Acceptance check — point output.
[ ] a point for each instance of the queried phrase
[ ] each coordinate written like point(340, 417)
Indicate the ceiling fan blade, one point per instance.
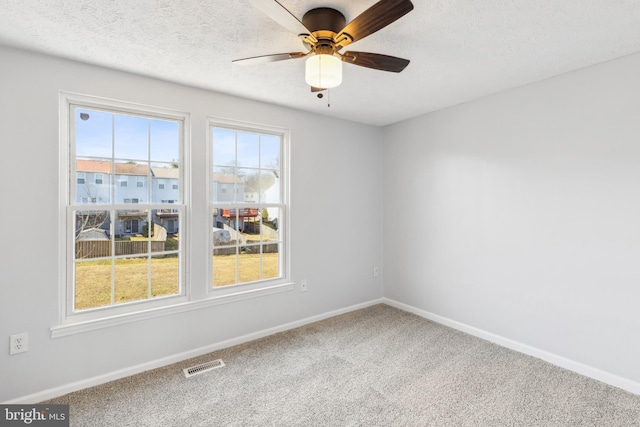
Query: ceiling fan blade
point(317, 89)
point(281, 15)
point(265, 59)
point(376, 61)
point(373, 19)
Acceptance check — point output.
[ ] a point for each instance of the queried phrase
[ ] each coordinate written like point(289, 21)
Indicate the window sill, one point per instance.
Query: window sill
point(72, 328)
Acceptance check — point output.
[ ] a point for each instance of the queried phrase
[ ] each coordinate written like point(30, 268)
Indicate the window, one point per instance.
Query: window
point(115, 265)
point(248, 241)
point(124, 254)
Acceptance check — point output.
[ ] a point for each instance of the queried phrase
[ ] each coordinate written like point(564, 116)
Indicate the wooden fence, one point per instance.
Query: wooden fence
point(267, 248)
point(102, 248)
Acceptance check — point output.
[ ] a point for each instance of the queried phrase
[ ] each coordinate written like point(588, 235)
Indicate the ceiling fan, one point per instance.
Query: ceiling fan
point(324, 32)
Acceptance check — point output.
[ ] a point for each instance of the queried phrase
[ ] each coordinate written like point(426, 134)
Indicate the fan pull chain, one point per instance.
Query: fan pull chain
point(328, 98)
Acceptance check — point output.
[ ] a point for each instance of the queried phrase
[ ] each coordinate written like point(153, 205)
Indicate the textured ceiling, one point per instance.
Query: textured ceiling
point(459, 49)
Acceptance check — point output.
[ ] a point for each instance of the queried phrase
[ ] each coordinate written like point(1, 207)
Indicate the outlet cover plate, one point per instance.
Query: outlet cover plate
point(18, 343)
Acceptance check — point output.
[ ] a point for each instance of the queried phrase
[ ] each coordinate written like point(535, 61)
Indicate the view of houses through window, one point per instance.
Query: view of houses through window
point(247, 205)
point(123, 253)
point(126, 208)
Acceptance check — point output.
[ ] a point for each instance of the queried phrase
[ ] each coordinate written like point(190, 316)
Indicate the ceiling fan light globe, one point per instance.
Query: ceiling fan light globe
point(323, 71)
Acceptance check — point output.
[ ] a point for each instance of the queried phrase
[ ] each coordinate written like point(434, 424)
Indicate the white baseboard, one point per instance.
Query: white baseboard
point(158, 363)
point(571, 365)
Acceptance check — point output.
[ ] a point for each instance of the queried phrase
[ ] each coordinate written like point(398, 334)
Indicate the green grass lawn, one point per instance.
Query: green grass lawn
point(93, 278)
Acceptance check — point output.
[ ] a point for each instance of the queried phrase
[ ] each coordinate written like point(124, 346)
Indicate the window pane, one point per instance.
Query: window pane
point(93, 284)
point(270, 262)
point(223, 184)
point(165, 275)
point(232, 221)
point(92, 234)
point(222, 235)
point(129, 223)
point(127, 176)
point(249, 266)
point(270, 231)
point(248, 149)
point(269, 187)
point(89, 171)
point(250, 185)
point(244, 190)
point(93, 133)
point(270, 151)
point(166, 223)
point(131, 137)
point(131, 279)
point(224, 147)
point(250, 224)
point(164, 175)
point(224, 269)
point(165, 141)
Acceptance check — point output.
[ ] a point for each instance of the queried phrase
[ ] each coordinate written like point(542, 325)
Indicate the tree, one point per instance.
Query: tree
point(259, 182)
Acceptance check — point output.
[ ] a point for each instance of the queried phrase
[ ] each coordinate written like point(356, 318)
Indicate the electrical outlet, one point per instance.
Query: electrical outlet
point(376, 271)
point(18, 343)
point(303, 286)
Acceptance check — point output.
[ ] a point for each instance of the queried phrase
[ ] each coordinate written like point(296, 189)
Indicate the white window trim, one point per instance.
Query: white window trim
point(66, 329)
point(194, 299)
point(106, 315)
point(241, 288)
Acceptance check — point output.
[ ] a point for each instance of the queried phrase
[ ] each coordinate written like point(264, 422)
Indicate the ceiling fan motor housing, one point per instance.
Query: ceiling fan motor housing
point(324, 20)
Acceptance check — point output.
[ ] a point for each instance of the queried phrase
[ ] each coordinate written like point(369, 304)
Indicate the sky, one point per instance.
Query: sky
point(103, 134)
point(106, 135)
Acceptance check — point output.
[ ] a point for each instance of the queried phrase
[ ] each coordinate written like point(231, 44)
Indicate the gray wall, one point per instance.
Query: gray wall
point(518, 215)
point(333, 166)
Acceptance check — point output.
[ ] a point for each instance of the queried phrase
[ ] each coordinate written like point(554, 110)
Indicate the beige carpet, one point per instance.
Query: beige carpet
point(374, 367)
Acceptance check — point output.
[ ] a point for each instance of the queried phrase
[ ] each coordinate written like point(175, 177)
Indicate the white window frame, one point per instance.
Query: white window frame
point(256, 288)
point(73, 322)
point(195, 296)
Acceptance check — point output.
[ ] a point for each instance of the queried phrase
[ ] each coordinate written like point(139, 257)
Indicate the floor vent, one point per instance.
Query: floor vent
point(203, 367)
